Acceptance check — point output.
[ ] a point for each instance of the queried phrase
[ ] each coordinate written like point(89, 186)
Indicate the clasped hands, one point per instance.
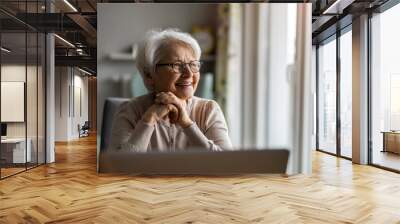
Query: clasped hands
point(167, 105)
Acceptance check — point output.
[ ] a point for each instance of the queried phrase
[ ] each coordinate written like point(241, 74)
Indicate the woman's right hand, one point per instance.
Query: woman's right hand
point(159, 112)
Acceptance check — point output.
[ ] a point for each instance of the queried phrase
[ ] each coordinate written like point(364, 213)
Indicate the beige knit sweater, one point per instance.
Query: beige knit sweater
point(208, 131)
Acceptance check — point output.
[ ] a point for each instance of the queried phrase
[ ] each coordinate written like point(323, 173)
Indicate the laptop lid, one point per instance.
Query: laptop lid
point(196, 162)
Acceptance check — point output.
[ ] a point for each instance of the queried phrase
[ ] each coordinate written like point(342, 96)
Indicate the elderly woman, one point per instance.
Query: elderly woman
point(169, 118)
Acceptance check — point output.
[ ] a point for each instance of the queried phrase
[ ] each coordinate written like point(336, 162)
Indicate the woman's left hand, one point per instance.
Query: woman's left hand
point(169, 98)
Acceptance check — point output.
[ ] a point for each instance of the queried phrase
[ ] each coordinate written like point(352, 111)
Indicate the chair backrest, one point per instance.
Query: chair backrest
point(86, 125)
point(111, 106)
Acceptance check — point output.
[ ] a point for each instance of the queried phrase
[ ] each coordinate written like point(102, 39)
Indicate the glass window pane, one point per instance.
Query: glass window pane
point(386, 89)
point(14, 153)
point(23, 86)
point(346, 94)
point(327, 97)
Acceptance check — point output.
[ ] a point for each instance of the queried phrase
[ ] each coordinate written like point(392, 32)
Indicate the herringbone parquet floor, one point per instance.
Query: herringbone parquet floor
point(70, 191)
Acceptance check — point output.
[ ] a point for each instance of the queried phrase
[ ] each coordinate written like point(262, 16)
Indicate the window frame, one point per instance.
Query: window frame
point(334, 37)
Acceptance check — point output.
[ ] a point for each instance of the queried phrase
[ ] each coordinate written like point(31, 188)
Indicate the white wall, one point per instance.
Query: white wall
point(121, 25)
point(33, 126)
point(15, 73)
point(80, 83)
point(12, 73)
point(68, 81)
point(62, 81)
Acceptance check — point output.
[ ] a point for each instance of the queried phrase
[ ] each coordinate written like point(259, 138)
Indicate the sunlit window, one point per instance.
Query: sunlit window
point(385, 84)
point(327, 97)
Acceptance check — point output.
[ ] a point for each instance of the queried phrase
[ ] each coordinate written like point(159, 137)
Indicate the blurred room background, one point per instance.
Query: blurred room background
point(256, 63)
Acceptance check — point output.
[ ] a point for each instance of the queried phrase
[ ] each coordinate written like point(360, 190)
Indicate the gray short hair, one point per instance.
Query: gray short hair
point(150, 46)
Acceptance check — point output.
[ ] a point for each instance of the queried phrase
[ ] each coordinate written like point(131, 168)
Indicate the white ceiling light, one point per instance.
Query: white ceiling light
point(337, 7)
point(86, 72)
point(70, 5)
point(5, 50)
point(64, 40)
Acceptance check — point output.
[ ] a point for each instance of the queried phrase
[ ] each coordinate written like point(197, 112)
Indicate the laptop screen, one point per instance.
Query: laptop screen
point(3, 129)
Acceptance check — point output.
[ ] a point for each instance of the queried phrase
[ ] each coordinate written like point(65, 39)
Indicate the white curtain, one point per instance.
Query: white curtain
point(268, 101)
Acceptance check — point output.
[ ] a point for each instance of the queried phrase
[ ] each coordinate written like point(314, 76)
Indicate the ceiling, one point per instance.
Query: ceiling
point(329, 16)
point(76, 22)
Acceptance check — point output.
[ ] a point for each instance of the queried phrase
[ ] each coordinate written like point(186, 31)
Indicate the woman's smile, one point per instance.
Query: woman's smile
point(184, 84)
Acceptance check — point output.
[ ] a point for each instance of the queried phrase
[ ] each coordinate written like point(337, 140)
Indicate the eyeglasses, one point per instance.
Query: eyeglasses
point(179, 67)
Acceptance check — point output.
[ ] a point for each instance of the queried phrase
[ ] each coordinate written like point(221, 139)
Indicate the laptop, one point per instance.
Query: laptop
point(3, 131)
point(196, 162)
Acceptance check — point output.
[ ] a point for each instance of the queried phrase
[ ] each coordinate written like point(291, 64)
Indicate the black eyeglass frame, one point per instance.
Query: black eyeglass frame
point(181, 66)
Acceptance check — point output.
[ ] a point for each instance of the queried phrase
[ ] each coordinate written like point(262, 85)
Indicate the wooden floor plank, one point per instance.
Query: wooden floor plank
point(70, 191)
